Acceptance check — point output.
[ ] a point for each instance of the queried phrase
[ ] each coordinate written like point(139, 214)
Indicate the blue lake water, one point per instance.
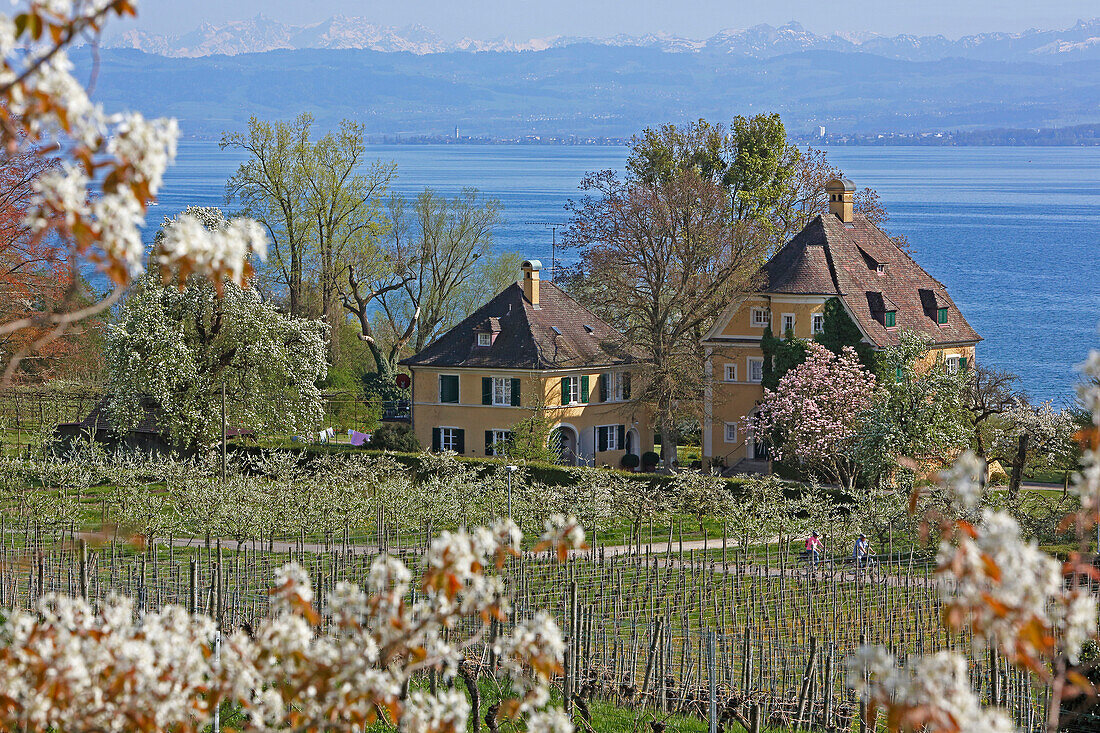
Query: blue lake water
point(1014, 233)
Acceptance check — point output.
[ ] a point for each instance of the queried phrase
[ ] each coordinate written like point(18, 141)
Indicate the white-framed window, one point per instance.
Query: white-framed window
point(498, 441)
point(818, 323)
point(485, 339)
point(731, 432)
point(607, 437)
point(502, 391)
point(788, 323)
point(952, 363)
point(756, 369)
point(731, 373)
point(614, 386)
point(761, 317)
point(449, 439)
point(571, 390)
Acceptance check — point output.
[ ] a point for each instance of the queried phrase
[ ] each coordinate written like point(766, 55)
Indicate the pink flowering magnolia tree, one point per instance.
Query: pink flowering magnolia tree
point(813, 415)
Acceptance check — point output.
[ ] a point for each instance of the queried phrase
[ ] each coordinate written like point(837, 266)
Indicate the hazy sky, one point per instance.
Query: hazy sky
point(522, 19)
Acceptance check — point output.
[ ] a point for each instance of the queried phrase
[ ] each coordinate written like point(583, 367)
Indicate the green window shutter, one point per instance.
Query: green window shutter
point(626, 385)
point(602, 381)
point(435, 440)
point(941, 316)
point(621, 442)
point(486, 390)
point(899, 374)
point(962, 363)
point(565, 390)
point(601, 439)
point(488, 442)
point(890, 319)
point(516, 402)
point(461, 447)
point(584, 389)
point(448, 388)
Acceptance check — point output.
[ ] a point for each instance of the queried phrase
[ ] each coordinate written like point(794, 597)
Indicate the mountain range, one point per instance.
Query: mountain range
point(260, 34)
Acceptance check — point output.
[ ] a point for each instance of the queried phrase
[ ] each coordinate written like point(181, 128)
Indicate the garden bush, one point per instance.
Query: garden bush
point(395, 437)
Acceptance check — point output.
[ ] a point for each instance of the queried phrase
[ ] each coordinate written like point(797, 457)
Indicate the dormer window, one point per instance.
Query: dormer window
point(941, 316)
point(881, 269)
point(890, 319)
point(589, 329)
point(485, 339)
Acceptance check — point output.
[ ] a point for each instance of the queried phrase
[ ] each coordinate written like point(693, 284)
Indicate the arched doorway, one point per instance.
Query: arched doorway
point(633, 442)
point(564, 440)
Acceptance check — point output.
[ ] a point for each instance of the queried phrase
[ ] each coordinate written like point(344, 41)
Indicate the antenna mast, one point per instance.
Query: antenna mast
point(553, 226)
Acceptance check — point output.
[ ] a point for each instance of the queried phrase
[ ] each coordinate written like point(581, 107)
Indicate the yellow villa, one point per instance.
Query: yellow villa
point(532, 347)
point(837, 255)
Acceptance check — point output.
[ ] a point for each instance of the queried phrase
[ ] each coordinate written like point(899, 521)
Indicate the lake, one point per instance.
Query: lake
point(1011, 232)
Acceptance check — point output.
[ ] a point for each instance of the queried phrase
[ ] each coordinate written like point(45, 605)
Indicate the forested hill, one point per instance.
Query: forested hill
point(594, 90)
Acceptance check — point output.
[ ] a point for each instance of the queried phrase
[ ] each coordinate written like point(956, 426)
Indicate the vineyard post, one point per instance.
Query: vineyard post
point(713, 691)
point(84, 569)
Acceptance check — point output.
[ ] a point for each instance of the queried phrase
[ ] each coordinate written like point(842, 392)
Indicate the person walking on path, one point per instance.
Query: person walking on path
point(862, 552)
point(814, 548)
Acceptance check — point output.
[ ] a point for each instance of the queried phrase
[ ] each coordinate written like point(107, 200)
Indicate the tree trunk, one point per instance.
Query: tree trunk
point(1018, 468)
point(668, 441)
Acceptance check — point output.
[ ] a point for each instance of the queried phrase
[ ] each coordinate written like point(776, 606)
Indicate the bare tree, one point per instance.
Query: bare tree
point(435, 266)
point(662, 259)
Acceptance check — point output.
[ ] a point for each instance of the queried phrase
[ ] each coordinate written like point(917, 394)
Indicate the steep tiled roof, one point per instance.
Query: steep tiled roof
point(559, 334)
point(861, 264)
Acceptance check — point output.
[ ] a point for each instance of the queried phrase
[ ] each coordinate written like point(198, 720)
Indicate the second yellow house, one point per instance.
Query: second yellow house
point(532, 347)
point(840, 255)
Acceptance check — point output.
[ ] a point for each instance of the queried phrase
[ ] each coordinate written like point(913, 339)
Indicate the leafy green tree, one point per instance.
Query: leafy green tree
point(780, 355)
point(271, 187)
point(179, 347)
point(839, 330)
point(919, 412)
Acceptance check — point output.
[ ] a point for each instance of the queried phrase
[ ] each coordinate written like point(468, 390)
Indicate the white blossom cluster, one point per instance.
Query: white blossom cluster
point(226, 250)
point(964, 477)
point(67, 668)
point(933, 694)
point(1086, 482)
point(111, 164)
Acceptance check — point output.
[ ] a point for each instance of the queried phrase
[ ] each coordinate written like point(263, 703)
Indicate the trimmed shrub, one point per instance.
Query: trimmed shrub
point(630, 461)
point(395, 437)
point(650, 459)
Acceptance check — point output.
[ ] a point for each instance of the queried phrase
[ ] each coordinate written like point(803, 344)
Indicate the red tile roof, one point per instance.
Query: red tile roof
point(555, 335)
point(829, 257)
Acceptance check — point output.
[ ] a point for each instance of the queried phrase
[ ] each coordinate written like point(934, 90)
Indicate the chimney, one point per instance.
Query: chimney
point(840, 191)
point(531, 281)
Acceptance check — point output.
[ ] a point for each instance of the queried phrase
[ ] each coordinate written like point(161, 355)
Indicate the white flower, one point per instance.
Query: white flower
point(964, 479)
point(553, 720)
